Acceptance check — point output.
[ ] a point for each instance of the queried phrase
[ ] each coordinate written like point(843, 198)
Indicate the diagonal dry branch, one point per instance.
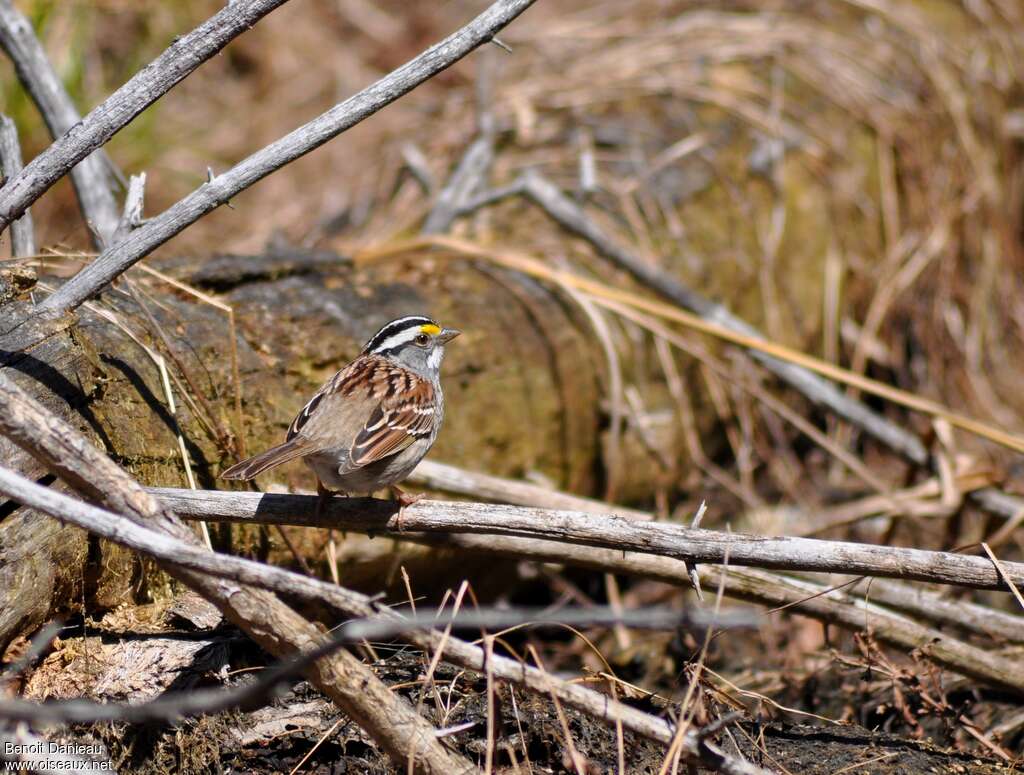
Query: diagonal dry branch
point(574, 219)
point(609, 531)
point(185, 554)
point(90, 176)
point(216, 192)
point(393, 724)
point(76, 139)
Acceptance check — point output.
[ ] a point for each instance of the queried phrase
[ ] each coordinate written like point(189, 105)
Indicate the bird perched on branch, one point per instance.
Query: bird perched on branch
point(370, 424)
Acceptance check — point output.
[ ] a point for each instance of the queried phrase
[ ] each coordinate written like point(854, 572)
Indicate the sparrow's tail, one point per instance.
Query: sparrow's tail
point(275, 456)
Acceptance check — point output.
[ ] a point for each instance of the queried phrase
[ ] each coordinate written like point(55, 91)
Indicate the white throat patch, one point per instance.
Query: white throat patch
point(434, 359)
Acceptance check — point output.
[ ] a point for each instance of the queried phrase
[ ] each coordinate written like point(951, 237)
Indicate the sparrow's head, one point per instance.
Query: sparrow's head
point(415, 342)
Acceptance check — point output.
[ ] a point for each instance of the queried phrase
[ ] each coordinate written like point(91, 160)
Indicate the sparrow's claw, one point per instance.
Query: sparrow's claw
point(405, 499)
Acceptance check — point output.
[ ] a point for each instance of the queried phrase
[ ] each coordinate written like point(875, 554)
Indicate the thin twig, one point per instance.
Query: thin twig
point(23, 240)
point(134, 204)
point(1001, 569)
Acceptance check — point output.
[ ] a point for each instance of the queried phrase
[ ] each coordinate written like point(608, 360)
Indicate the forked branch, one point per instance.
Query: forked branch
point(221, 189)
point(77, 139)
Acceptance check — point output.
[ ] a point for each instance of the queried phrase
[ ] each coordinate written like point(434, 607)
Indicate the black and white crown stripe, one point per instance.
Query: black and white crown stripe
point(397, 333)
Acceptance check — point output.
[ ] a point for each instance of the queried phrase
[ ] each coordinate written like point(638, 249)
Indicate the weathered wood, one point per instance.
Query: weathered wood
point(276, 627)
point(178, 553)
point(133, 669)
point(115, 260)
point(669, 540)
point(90, 174)
point(42, 565)
point(42, 572)
point(77, 138)
point(23, 241)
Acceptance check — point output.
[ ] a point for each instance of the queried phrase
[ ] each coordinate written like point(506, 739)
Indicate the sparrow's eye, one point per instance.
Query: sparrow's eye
point(422, 340)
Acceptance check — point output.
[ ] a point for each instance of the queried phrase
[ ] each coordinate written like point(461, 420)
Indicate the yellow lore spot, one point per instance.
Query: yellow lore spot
point(430, 328)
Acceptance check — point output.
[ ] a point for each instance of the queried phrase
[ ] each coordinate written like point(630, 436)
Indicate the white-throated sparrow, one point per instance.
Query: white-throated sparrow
point(369, 425)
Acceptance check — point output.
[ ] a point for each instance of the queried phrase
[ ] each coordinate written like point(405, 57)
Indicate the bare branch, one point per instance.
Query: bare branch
point(76, 139)
point(469, 175)
point(669, 540)
point(118, 258)
point(90, 177)
point(474, 168)
point(23, 241)
point(396, 727)
point(134, 202)
point(926, 605)
point(467, 655)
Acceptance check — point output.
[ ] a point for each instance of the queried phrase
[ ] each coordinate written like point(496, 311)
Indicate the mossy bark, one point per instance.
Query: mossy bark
point(522, 389)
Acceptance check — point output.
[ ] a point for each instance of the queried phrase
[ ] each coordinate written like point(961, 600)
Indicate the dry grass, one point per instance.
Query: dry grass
point(846, 176)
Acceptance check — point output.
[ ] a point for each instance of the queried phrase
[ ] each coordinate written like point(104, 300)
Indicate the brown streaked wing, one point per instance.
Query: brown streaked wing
point(405, 415)
point(368, 372)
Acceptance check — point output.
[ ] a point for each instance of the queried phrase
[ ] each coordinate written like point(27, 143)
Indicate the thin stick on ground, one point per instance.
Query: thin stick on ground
point(748, 584)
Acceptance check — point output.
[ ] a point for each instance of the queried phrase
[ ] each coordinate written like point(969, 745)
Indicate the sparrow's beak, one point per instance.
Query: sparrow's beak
point(447, 334)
